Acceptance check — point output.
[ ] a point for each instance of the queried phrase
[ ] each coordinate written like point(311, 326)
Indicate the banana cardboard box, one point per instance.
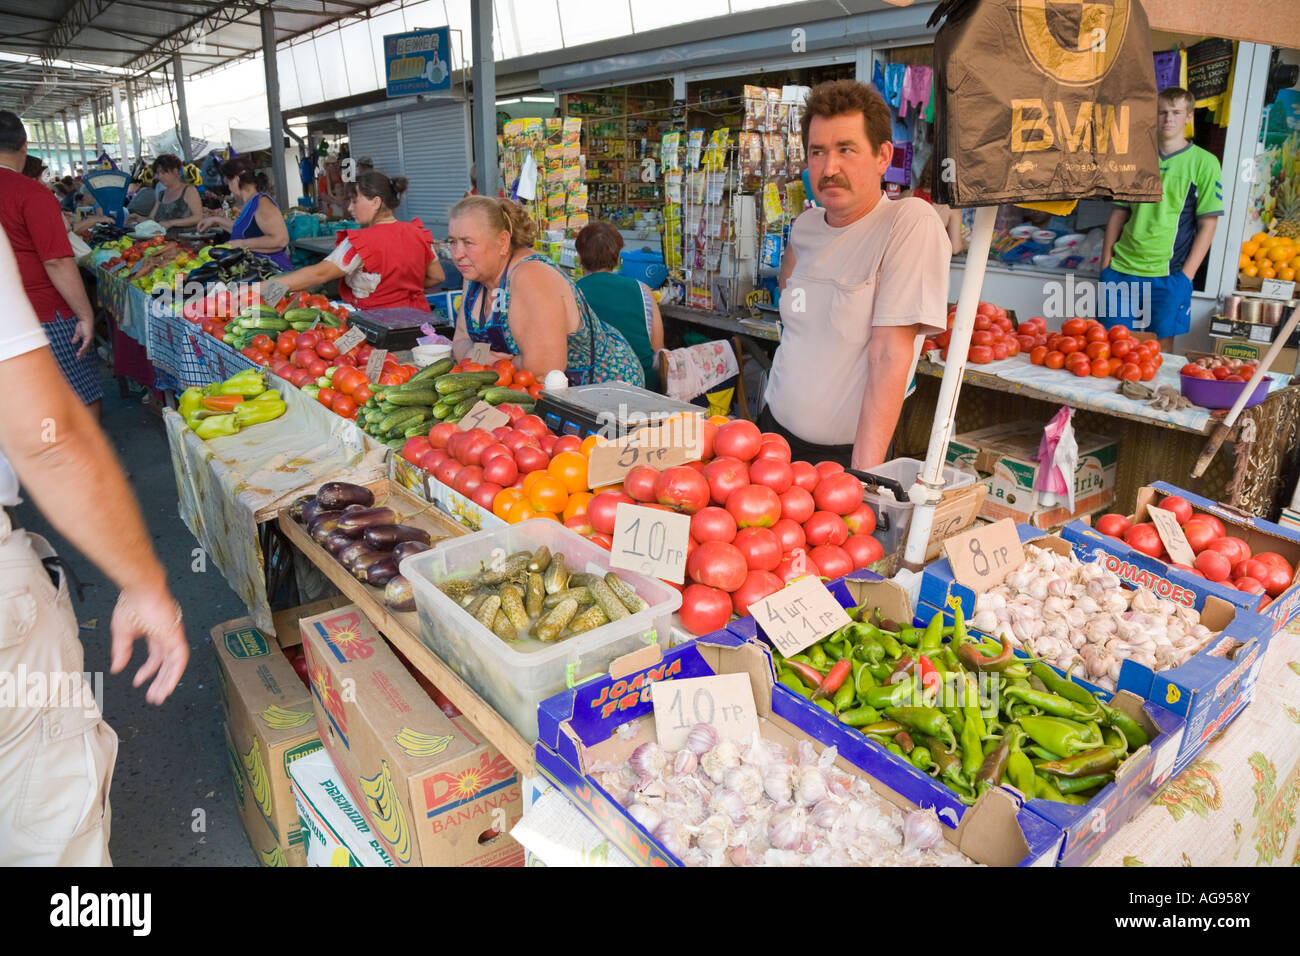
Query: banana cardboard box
point(429, 785)
point(335, 832)
point(265, 846)
point(268, 712)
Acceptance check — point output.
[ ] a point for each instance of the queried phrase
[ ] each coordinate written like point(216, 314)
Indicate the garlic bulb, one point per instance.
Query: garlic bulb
point(648, 817)
point(648, 760)
point(674, 838)
point(987, 620)
point(746, 781)
point(730, 804)
point(826, 813)
point(778, 783)
point(810, 785)
point(922, 830)
point(685, 762)
point(701, 739)
point(787, 827)
point(720, 759)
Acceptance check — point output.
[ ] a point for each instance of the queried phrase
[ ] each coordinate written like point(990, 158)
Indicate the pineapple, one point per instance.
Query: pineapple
point(1286, 211)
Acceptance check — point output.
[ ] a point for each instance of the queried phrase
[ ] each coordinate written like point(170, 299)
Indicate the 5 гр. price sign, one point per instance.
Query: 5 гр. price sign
point(650, 541)
point(724, 702)
point(798, 615)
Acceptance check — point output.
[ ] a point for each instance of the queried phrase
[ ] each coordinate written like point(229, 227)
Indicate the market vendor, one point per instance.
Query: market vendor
point(260, 225)
point(863, 280)
point(521, 304)
point(385, 264)
point(177, 203)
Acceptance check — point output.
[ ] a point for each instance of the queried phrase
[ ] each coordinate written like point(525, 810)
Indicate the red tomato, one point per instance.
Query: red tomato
point(827, 468)
point(530, 458)
point(1068, 344)
point(1234, 549)
point(684, 489)
point(531, 425)
point(1130, 372)
point(1002, 322)
point(981, 323)
point(832, 560)
point(1143, 537)
point(1180, 506)
point(1213, 522)
point(1054, 360)
point(1251, 568)
point(1213, 565)
point(1028, 343)
point(761, 548)
point(797, 505)
point(1220, 373)
point(1121, 348)
point(361, 394)
point(485, 494)
point(1096, 349)
point(1074, 327)
point(1084, 369)
point(839, 494)
point(790, 533)
point(1272, 557)
point(308, 340)
point(1276, 579)
point(468, 480)
point(821, 529)
point(565, 443)
point(1000, 351)
point(1013, 347)
point(775, 450)
point(754, 506)
point(344, 406)
point(1095, 333)
point(861, 520)
point(1117, 332)
point(712, 524)
point(326, 396)
point(738, 439)
point(715, 563)
point(1038, 354)
point(980, 355)
point(705, 609)
point(796, 565)
point(725, 475)
point(1101, 368)
point(1199, 533)
point(327, 349)
point(639, 483)
point(1053, 341)
point(863, 549)
point(499, 468)
point(772, 472)
point(601, 508)
point(758, 585)
point(981, 338)
point(1114, 525)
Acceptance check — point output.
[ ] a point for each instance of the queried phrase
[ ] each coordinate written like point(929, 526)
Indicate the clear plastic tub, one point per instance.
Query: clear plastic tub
point(515, 681)
point(893, 516)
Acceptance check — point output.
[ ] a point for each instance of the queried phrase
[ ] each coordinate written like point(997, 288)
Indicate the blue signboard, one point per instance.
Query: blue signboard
point(418, 62)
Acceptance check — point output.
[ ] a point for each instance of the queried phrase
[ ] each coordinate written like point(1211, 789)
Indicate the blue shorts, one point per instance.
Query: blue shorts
point(1158, 304)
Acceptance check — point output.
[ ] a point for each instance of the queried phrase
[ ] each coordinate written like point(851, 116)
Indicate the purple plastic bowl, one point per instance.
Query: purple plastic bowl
point(1211, 393)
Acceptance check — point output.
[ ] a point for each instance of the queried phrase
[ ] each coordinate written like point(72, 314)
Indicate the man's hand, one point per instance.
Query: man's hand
point(84, 334)
point(154, 614)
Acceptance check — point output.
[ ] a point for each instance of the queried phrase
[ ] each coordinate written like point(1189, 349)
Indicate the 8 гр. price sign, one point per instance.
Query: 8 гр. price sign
point(724, 702)
point(650, 541)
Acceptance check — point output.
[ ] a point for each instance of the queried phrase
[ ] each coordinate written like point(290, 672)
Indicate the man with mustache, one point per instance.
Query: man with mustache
point(863, 280)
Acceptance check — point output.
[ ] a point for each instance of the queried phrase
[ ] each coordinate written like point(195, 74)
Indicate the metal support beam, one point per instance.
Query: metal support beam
point(67, 138)
point(485, 97)
point(123, 158)
point(137, 145)
point(81, 143)
point(99, 133)
point(178, 71)
point(275, 119)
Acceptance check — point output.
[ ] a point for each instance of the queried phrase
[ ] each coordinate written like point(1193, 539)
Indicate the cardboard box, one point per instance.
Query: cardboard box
point(1208, 691)
point(578, 730)
point(335, 832)
point(1287, 361)
point(265, 846)
point(268, 711)
point(435, 793)
point(1007, 456)
point(422, 484)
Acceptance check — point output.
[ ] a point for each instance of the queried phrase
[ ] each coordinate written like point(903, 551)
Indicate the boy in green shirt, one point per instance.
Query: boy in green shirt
point(1152, 250)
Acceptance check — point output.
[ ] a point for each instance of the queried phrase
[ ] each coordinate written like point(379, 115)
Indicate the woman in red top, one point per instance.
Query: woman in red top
point(385, 265)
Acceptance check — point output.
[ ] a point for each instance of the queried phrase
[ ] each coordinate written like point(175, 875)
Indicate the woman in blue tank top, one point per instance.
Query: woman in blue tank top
point(260, 227)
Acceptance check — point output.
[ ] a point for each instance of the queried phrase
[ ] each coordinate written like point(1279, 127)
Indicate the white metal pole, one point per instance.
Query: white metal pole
point(119, 117)
point(928, 489)
point(137, 144)
point(81, 143)
point(99, 132)
point(67, 139)
point(178, 71)
point(275, 119)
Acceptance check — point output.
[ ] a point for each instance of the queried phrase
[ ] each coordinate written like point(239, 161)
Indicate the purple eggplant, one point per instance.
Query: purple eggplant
point(336, 541)
point(324, 523)
point(340, 494)
point(354, 551)
point(299, 506)
point(399, 595)
point(408, 548)
point(354, 523)
point(388, 536)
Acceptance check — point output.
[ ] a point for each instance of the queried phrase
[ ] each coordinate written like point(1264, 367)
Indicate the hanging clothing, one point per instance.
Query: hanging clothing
point(929, 110)
point(597, 352)
point(878, 77)
point(895, 73)
point(1167, 65)
point(384, 265)
point(916, 88)
point(246, 227)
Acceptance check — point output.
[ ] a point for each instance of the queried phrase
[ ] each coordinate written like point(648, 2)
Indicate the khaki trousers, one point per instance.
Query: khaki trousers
point(56, 751)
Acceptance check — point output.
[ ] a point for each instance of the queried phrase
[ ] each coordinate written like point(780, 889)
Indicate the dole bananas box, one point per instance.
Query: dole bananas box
point(335, 832)
point(430, 786)
point(268, 711)
point(266, 847)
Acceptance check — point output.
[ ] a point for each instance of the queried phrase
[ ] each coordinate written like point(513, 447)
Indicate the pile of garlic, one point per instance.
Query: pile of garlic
point(717, 803)
point(1075, 614)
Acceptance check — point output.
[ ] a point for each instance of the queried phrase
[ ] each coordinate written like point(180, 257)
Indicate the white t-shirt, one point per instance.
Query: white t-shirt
point(888, 268)
point(20, 332)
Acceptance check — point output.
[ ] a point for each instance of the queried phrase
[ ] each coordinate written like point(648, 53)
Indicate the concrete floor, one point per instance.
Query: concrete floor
point(172, 759)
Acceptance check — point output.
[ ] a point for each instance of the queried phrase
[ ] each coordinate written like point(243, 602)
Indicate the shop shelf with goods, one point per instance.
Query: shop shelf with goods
point(559, 205)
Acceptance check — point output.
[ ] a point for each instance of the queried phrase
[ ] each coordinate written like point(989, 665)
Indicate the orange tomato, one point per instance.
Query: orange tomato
point(505, 500)
point(524, 378)
point(1099, 349)
point(577, 504)
point(548, 494)
point(1267, 272)
point(532, 478)
point(521, 510)
point(1286, 274)
point(505, 371)
point(547, 514)
point(617, 486)
point(570, 469)
point(1054, 360)
point(588, 443)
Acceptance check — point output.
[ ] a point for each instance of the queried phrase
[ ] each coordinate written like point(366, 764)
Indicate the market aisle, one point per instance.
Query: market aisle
point(172, 761)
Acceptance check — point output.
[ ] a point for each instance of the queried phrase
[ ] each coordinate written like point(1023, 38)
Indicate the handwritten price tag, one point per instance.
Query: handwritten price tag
point(375, 364)
point(480, 352)
point(724, 702)
point(798, 615)
point(674, 443)
point(1171, 535)
point(651, 542)
point(982, 558)
point(484, 416)
point(1277, 289)
point(350, 340)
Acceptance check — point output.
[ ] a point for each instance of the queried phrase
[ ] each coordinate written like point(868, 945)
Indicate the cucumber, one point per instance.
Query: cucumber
point(555, 621)
point(499, 393)
point(455, 398)
point(438, 368)
point(301, 315)
point(459, 381)
point(415, 431)
point(418, 397)
point(463, 408)
point(593, 617)
point(614, 608)
point(405, 417)
point(441, 411)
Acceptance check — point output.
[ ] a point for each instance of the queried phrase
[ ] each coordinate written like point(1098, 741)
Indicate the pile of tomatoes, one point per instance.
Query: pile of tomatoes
point(1085, 347)
point(1222, 369)
point(1220, 557)
point(508, 376)
point(994, 336)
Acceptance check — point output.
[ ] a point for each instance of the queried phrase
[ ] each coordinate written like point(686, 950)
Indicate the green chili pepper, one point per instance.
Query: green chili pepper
point(921, 758)
point(932, 639)
point(860, 716)
point(970, 654)
point(890, 695)
point(1064, 687)
point(890, 644)
point(817, 657)
point(959, 621)
point(896, 750)
point(862, 679)
point(824, 704)
point(844, 697)
point(869, 649)
point(804, 672)
point(990, 771)
point(804, 659)
point(1048, 703)
point(1019, 768)
point(789, 680)
point(1080, 784)
point(927, 720)
point(909, 635)
point(1059, 734)
point(879, 739)
point(880, 671)
point(1113, 738)
point(949, 658)
point(1045, 789)
point(1085, 764)
point(1077, 799)
point(882, 728)
point(972, 754)
point(1137, 737)
point(834, 650)
point(1042, 753)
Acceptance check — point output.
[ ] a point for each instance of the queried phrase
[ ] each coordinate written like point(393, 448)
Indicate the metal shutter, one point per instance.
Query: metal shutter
point(378, 138)
point(436, 158)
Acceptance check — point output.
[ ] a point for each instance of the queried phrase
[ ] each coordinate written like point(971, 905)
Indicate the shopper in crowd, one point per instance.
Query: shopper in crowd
point(260, 225)
point(39, 236)
point(56, 751)
point(863, 279)
point(142, 202)
point(69, 196)
point(385, 264)
point(521, 304)
point(33, 168)
point(330, 196)
point(1152, 250)
point(621, 301)
point(177, 202)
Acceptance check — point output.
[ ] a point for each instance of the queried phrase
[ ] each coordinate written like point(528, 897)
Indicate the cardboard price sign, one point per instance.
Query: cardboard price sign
point(674, 443)
point(799, 615)
point(1277, 289)
point(1171, 535)
point(480, 352)
point(651, 542)
point(982, 558)
point(484, 416)
point(724, 702)
point(350, 340)
point(375, 364)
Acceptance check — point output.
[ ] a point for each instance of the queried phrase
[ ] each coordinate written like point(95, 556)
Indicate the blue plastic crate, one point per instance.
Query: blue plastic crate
point(646, 266)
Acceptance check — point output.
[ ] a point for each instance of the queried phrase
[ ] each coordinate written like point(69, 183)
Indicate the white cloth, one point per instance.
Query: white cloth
point(20, 332)
point(889, 268)
point(697, 369)
point(363, 284)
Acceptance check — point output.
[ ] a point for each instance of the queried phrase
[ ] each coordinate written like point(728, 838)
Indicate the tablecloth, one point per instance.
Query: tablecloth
point(1235, 805)
point(223, 483)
